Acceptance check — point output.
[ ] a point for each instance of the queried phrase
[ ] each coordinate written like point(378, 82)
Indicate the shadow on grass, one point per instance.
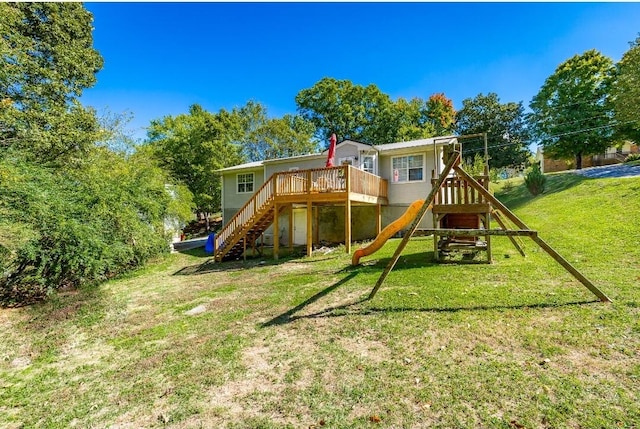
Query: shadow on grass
point(211, 266)
point(288, 316)
point(198, 252)
point(426, 259)
point(519, 195)
point(84, 307)
point(356, 309)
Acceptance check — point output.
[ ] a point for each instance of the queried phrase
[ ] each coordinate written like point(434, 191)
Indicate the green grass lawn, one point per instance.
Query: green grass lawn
point(186, 343)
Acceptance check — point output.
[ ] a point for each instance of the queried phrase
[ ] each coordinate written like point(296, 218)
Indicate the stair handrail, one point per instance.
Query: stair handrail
point(255, 204)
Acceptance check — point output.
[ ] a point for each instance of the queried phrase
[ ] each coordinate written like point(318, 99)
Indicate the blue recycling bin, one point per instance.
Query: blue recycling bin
point(210, 247)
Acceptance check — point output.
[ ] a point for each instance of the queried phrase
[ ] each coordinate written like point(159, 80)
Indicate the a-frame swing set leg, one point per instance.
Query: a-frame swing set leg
point(453, 163)
point(550, 251)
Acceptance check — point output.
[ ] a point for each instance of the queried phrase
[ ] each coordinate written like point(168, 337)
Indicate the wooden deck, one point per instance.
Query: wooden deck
point(329, 185)
point(344, 185)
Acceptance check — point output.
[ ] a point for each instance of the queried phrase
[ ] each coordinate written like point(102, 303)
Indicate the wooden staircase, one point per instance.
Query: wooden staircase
point(247, 225)
point(334, 185)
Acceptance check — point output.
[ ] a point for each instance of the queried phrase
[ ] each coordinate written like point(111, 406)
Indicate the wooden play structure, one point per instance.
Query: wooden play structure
point(463, 209)
point(458, 205)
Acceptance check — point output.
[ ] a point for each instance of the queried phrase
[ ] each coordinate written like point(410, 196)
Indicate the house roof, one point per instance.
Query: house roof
point(388, 147)
point(247, 166)
point(359, 145)
point(308, 156)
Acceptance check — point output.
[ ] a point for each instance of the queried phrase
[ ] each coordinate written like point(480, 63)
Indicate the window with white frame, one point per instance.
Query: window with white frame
point(245, 183)
point(408, 168)
point(368, 164)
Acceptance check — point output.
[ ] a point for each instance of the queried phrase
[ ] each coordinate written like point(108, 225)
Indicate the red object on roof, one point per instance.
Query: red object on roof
point(332, 151)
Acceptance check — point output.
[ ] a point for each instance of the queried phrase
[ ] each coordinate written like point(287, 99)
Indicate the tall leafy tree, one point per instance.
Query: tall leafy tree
point(193, 146)
point(77, 205)
point(261, 137)
point(368, 115)
point(571, 116)
point(417, 119)
point(47, 60)
point(626, 93)
point(504, 124)
point(405, 120)
point(290, 135)
point(340, 107)
point(441, 113)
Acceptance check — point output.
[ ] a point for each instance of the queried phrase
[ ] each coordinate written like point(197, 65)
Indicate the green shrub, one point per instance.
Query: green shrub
point(535, 180)
point(507, 185)
point(475, 166)
point(632, 157)
point(76, 227)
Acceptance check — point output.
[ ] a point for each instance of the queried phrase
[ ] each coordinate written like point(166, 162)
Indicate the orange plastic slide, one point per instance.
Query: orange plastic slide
point(388, 232)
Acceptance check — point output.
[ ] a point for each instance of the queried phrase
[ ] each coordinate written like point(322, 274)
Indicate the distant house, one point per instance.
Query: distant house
point(297, 201)
point(613, 155)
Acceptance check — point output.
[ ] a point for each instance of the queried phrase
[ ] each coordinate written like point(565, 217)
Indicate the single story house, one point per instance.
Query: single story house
point(297, 201)
point(613, 155)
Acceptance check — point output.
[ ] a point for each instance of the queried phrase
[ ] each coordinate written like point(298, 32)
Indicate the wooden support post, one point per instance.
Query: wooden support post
point(290, 226)
point(244, 248)
point(347, 226)
point(316, 224)
point(309, 227)
point(276, 232)
point(487, 238)
point(436, 219)
point(436, 251)
point(378, 219)
point(262, 244)
point(454, 159)
point(500, 222)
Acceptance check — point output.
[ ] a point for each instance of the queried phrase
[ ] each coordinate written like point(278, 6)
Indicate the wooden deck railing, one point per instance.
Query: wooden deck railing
point(367, 183)
point(456, 190)
point(260, 200)
point(335, 179)
point(302, 182)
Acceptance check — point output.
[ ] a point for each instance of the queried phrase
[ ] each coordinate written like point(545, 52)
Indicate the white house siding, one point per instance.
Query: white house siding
point(344, 150)
point(331, 218)
point(401, 195)
point(299, 163)
point(232, 201)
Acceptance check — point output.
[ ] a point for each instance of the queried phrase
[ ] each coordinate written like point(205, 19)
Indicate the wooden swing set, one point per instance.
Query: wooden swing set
point(462, 210)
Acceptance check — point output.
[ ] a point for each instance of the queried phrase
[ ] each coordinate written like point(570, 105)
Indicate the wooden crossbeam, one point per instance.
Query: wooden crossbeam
point(451, 232)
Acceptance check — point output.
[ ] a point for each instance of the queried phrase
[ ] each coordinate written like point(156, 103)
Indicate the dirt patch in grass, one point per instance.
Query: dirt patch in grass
point(265, 377)
point(366, 349)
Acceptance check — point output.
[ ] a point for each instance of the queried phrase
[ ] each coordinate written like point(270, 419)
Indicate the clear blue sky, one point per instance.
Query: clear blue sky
point(162, 57)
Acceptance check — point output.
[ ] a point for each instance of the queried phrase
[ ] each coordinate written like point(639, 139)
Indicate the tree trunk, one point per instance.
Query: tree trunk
point(578, 161)
point(206, 220)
